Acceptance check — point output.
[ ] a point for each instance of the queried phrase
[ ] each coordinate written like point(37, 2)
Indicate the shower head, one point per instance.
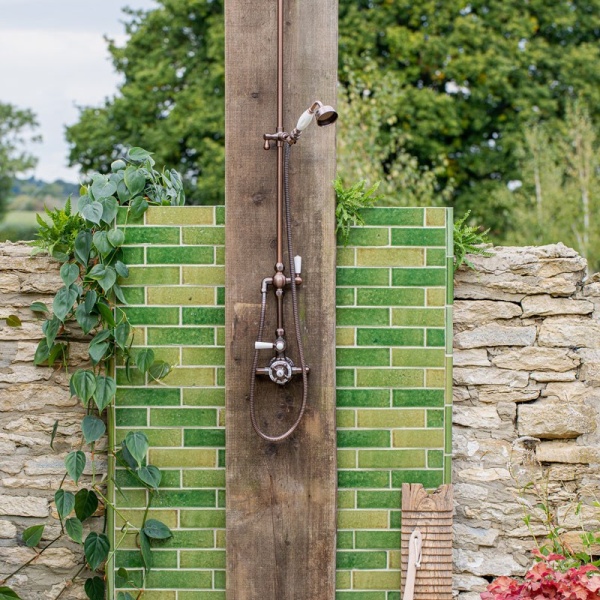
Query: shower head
point(325, 115)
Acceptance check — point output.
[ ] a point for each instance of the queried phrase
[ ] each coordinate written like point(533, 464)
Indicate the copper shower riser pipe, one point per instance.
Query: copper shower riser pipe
point(279, 130)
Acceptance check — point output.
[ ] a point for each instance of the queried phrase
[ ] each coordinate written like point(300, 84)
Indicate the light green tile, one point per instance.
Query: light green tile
point(418, 438)
point(180, 215)
point(418, 357)
point(390, 257)
point(181, 295)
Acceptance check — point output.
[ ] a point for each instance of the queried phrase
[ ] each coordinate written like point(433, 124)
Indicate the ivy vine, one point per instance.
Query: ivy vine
point(89, 247)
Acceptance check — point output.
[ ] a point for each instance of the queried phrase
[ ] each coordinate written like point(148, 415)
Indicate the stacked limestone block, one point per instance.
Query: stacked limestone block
point(526, 377)
point(31, 400)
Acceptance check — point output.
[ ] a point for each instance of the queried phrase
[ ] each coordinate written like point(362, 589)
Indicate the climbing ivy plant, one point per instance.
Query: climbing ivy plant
point(90, 250)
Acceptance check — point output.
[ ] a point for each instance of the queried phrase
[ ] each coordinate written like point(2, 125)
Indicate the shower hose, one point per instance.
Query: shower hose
point(263, 309)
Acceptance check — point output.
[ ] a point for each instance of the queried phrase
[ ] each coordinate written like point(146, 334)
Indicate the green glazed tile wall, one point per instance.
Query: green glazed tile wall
point(394, 348)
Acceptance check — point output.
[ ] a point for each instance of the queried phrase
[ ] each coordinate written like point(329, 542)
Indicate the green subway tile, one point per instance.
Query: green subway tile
point(209, 236)
point(384, 336)
point(371, 398)
point(181, 336)
point(185, 457)
point(208, 559)
point(369, 236)
point(152, 316)
point(134, 295)
point(436, 257)
point(395, 519)
point(131, 256)
point(180, 255)
point(377, 580)
point(169, 355)
point(132, 559)
point(361, 560)
point(344, 377)
point(420, 317)
point(435, 217)
point(436, 296)
point(418, 438)
point(418, 397)
point(346, 499)
point(391, 418)
point(448, 469)
point(344, 297)
point(152, 276)
point(435, 378)
point(393, 596)
point(351, 276)
point(344, 336)
point(191, 377)
point(378, 539)
point(345, 257)
point(390, 297)
point(185, 498)
point(435, 459)
point(204, 275)
point(448, 430)
point(345, 540)
point(152, 235)
point(136, 517)
point(204, 397)
point(200, 595)
point(147, 397)
point(180, 215)
point(378, 499)
point(345, 418)
point(204, 478)
point(204, 437)
point(178, 579)
point(221, 296)
point(220, 215)
point(343, 580)
point(204, 356)
point(190, 539)
point(391, 459)
point(134, 378)
point(219, 255)
point(362, 316)
point(392, 216)
point(429, 478)
point(346, 459)
point(363, 439)
point(181, 295)
point(131, 417)
point(390, 257)
point(221, 500)
point(436, 337)
point(430, 276)
point(169, 479)
point(435, 418)
point(360, 596)
point(389, 377)
point(362, 519)
point(132, 499)
point(188, 417)
point(417, 357)
point(203, 316)
point(124, 217)
point(156, 437)
point(419, 236)
point(372, 357)
point(221, 377)
point(220, 578)
point(363, 479)
point(199, 519)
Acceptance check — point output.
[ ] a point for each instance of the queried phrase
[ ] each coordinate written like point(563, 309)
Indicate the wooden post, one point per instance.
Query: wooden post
point(432, 515)
point(280, 498)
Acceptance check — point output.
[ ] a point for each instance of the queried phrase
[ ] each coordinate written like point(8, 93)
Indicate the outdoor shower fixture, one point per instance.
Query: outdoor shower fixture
point(280, 368)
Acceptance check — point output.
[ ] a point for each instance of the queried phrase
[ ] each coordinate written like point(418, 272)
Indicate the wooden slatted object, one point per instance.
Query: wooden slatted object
point(431, 513)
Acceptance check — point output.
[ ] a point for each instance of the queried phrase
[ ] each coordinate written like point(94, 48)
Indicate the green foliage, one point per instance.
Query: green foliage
point(349, 202)
point(33, 535)
point(468, 239)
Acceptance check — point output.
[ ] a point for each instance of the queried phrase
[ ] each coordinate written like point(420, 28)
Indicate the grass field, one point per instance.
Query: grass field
point(18, 225)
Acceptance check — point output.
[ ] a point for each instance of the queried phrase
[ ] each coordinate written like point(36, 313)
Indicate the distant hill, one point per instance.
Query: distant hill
point(33, 194)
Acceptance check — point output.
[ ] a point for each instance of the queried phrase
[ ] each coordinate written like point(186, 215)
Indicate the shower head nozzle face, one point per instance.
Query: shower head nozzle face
point(325, 115)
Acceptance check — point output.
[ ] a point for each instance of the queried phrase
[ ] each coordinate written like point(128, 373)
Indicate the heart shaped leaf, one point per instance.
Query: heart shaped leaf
point(105, 391)
point(96, 548)
point(86, 504)
point(69, 273)
point(75, 464)
point(137, 444)
point(33, 535)
point(65, 502)
point(157, 530)
point(74, 529)
point(93, 428)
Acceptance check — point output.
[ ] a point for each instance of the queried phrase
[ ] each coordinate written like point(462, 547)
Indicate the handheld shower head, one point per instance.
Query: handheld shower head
point(325, 115)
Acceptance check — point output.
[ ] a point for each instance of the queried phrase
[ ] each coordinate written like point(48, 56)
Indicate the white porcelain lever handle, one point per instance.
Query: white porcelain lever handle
point(298, 264)
point(263, 345)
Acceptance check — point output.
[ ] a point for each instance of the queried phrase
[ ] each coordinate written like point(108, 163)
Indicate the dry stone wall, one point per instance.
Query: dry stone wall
point(526, 406)
point(32, 399)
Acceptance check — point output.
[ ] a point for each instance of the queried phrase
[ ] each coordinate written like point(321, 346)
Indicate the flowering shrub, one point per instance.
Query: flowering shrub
point(545, 580)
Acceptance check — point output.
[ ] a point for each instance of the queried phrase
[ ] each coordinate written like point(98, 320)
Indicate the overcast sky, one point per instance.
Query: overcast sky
point(53, 58)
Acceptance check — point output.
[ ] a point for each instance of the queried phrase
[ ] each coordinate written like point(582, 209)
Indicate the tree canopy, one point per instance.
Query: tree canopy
point(436, 95)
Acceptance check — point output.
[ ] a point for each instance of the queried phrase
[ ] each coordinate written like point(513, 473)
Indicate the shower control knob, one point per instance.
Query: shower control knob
point(263, 345)
point(298, 264)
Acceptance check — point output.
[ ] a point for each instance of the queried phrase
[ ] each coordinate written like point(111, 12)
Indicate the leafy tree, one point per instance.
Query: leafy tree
point(16, 126)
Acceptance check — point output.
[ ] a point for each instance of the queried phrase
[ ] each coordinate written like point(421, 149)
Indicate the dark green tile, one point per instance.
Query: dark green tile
point(152, 235)
point(395, 519)
point(435, 418)
point(180, 255)
point(436, 257)
point(185, 498)
point(435, 459)
point(393, 596)
point(204, 397)
point(190, 539)
point(181, 336)
point(203, 316)
point(134, 295)
point(436, 337)
point(344, 377)
point(152, 315)
point(362, 316)
point(173, 580)
point(419, 277)
point(221, 377)
point(398, 378)
point(390, 297)
point(362, 276)
point(221, 500)
point(220, 578)
point(363, 479)
point(418, 397)
point(132, 417)
point(368, 236)
point(132, 559)
point(428, 478)
point(204, 437)
point(353, 357)
point(188, 417)
point(204, 478)
point(344, 297)
point(360, 596)
point(361, 560)
point(385, 336)
point(363, 439)
point(221, 296)
point(378, 539)
point(419, 236)
point(208, 236)
point(220, 215)
point(135, 378)
point(345, 540)
point(132, 256)
point(360, 398)
point(169, 479)
point(147, 397)
point(393, 216)
point(199, 519)
point(378, 499)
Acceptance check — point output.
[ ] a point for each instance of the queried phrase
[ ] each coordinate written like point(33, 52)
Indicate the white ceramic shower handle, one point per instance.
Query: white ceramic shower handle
point(298, 264)
point(263, 345)
point(305, 119)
